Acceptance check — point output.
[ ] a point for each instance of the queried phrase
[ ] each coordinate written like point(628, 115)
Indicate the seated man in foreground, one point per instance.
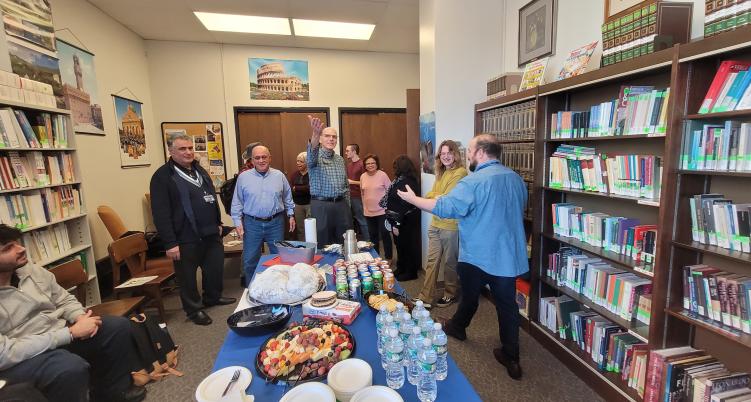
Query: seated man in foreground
point(47, 338)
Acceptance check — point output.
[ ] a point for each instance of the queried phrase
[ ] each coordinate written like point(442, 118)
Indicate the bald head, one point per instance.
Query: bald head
point(482, 148)
point(261, 158)
point(329, 138)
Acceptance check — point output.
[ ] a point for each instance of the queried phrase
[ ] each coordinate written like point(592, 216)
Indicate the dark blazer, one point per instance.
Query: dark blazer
point(397, 208)
point(171, 208)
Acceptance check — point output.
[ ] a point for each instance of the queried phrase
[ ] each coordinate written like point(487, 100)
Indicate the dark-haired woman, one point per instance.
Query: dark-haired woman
point(404, 220)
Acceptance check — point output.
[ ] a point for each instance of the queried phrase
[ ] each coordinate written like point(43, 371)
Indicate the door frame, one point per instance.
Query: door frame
point(257, 109)
point(371, 110)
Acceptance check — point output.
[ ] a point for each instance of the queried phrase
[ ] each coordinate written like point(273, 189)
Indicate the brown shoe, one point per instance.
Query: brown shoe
point(512, 366)
point(452, 331)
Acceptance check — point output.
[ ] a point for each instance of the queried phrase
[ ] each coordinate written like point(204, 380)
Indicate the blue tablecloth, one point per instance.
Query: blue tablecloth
point(241, 351)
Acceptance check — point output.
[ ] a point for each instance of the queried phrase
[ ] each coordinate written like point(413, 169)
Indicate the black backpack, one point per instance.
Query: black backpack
point(226, 192)
point(157, 352)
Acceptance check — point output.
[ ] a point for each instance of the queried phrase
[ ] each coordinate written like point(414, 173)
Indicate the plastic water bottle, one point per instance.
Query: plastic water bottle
point(405, 327)
point(388, 325)
point(413, 347)
point(426, 324)
point(394, 352)
point(427, 389)
point(380, 318)
point(440, 346)
point(398, 314)
point(417, 310)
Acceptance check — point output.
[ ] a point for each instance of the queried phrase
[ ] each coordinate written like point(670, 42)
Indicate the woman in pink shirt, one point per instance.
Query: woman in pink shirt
point(374, 184)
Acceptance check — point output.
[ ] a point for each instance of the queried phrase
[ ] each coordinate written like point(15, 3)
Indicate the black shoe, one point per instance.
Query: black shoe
point(200, 318)
point(132, 394)
point(445, 301)
point(223, 301)
point(449, 329)
point(512, 366)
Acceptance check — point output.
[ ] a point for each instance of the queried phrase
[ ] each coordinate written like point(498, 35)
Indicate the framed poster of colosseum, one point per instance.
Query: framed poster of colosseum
point(131, 134)
point(80, 89)
point(276, 79)
point(208, 145)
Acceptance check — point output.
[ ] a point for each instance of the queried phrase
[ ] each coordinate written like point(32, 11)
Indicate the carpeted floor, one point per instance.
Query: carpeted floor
point(545, 378)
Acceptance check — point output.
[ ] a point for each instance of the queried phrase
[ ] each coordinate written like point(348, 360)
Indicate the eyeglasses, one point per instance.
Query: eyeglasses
point(261, 157)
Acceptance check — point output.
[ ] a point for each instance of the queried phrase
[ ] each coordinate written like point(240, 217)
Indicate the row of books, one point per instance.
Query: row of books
point(530, 192)
point(618, 291)
point(730, 88)
point(725, 15)
point(725, 147)
point(520, 158)
point(719, 296)
point(717, 221)
point(38, 207)
point(625, 236)
point(581, 168)
point(638, 110)
point(48, 243)
point(21, 129)
point(35, 169)
point(610, 347)
point(24, 90)
point(687, 374)
point(628, 32)
point(511, 123)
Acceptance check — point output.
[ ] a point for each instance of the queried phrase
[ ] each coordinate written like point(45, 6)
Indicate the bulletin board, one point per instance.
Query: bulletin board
point(207, 143)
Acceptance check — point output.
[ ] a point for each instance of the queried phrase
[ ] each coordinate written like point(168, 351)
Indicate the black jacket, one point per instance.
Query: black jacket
point(171, 208)
point(396, 208)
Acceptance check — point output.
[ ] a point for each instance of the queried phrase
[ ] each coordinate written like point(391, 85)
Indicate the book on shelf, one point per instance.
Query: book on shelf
point(609, 346)
point(47, 243)
point(38, 207)
point(577, 61)
point(32, 169)
point(620, 235)
point(720, 297)
point(534, 73)
point(730, 88)
point(510, 123)
point(48, 131)
point(638, 110)
point(519, 158)
point(644, 309)
point(725, 15)
point(581, 168)
point(615, 289)
point(717, 147)
point(717, 221)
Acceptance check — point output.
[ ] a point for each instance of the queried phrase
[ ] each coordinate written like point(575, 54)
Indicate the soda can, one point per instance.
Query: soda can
point(367, 285)
point(339, 261)
point(389, 283)
point(342, 288)
point(364, 275)
point(352, 276)
point(354, 289)
point(341, 270)
point(377, 280)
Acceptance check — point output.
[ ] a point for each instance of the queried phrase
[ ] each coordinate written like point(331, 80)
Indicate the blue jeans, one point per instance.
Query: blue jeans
point(256, 232)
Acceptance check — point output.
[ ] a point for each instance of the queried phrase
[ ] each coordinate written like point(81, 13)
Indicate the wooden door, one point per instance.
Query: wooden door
point(295, 129)
point(380, 133)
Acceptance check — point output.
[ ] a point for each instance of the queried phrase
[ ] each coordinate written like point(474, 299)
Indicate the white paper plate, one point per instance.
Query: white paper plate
point(349, 376)
point(377, 393)
point(211, 388)
point(310, 392)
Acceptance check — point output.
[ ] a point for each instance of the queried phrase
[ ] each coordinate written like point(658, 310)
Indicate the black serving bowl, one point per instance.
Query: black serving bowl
point(259, 320)
point(408, 304)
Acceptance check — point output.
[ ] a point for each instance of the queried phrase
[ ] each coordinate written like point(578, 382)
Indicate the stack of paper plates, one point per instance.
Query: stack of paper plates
point(212, 387)
point(349, 376)
point(310, 392)
point(377, 393)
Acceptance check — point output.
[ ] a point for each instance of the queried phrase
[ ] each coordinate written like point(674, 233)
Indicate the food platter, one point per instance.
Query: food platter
point(304, 352)
point(321, 287)
point(408, 304)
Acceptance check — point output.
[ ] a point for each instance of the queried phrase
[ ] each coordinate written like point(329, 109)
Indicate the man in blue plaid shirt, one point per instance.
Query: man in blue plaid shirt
point(329, 188)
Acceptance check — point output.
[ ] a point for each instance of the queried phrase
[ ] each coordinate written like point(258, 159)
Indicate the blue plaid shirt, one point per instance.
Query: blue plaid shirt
point(328, 176)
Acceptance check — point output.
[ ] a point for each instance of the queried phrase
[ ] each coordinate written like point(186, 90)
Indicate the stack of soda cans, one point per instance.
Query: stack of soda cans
point(354, 280)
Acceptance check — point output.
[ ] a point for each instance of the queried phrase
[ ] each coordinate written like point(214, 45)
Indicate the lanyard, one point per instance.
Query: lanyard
point(198, 181)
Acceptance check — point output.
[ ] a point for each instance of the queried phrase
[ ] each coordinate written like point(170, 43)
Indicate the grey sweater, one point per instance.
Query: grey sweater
point(33, 316)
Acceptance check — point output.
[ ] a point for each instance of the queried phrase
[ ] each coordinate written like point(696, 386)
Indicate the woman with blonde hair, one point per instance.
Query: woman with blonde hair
point(443, 235)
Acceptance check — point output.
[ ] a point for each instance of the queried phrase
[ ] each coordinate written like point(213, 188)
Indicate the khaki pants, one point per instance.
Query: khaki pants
point(443, 252)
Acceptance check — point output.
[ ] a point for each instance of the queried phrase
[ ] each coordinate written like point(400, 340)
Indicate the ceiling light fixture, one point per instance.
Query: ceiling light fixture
point(244, 23)
point(331, 29)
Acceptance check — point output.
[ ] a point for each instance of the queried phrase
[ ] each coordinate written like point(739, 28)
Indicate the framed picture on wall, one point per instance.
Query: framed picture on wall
point(80, 88)
point(536, 30)
point(131, 134)
point(208, 146)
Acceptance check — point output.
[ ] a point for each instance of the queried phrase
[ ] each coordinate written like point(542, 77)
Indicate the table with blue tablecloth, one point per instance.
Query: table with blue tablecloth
point(241, 351)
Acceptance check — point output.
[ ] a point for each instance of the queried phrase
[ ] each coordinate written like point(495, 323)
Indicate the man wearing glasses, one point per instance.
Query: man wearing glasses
point(262, 200)
point(329, 187)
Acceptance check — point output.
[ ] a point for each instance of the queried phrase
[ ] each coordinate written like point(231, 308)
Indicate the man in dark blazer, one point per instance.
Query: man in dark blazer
point(186, 214)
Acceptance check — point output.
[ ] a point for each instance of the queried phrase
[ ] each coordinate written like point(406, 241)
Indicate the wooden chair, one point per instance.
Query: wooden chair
point(111, 221)
point(72, 275)
point(131, 250)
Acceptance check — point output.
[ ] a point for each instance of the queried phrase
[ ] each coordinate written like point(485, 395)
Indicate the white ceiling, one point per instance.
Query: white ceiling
point(396, 21)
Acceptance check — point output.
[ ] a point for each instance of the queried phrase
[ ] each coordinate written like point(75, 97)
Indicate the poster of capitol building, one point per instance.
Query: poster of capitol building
point(80, 89)
point(275, 79)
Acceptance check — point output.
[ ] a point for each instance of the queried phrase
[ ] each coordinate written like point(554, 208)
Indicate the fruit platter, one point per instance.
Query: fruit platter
point(304, 351)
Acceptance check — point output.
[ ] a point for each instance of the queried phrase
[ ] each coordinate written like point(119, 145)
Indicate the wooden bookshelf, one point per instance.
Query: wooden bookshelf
point(641, 201)
point(734, 114)
point(714, 173)
point(507, 100)
point(516, 141)
point(737, 256)
point(22, 189)
point(607, 138)
point(731, 334)
point(625, 262)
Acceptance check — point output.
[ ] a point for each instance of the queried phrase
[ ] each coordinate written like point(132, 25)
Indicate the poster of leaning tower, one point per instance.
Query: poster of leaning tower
point(80, 90)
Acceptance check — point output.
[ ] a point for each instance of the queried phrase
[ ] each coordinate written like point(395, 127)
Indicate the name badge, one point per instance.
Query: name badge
point(209, 198)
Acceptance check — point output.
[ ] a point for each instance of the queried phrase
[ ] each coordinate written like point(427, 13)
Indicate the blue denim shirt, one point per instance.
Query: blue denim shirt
point(261, 196)
point(489, 205)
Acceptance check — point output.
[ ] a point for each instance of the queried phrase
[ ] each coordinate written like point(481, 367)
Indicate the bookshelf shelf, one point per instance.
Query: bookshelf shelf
point(628, 263)
point(550, 339)
point(736, 256)
point(641, 201)
point(714, 173)
point(731, 334)
point(55, 222)
point(522, 96)
point(722, 115)
point(23, 105)
point(37, 149)
point(67, 253)
point(641, 331)
point(606, 138)
point(516, 141)
point(22, 189)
